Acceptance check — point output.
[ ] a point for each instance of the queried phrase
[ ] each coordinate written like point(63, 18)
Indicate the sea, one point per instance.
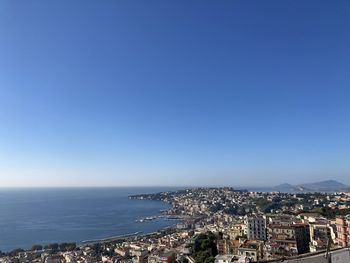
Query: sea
point(31, 216)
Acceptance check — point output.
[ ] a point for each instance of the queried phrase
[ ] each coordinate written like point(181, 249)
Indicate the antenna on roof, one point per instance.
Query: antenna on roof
point(328, 247)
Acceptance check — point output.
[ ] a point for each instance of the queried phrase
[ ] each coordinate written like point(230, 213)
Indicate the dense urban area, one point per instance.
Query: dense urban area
point(218, 225)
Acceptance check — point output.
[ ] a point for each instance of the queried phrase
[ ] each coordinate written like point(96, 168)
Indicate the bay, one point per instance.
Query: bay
point(31, 216)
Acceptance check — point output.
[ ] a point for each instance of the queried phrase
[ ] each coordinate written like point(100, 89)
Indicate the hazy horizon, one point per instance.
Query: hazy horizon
point(201, 93)
point(238, 187)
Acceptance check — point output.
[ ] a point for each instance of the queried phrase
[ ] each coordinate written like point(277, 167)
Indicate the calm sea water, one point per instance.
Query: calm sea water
point(42, 216)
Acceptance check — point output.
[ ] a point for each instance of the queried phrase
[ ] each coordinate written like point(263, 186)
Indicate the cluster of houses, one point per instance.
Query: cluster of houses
point(244, 233)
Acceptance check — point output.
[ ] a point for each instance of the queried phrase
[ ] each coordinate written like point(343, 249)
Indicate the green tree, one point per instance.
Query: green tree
point(36, 247)
point(15, 252)
point(204, 249)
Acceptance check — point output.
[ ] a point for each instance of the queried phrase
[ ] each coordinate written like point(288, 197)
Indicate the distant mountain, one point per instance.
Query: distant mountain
point(326, 186)
point(290, 188)
point(323, 186)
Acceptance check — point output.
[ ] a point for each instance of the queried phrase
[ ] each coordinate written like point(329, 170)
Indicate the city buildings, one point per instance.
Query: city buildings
point(289, 239)
point(239, 228)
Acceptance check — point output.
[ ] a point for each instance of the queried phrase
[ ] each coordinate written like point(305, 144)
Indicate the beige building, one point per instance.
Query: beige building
point(237, 230)
point(252, 250)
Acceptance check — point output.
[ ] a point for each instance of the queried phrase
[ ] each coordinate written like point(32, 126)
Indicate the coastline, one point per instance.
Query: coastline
point(39, 226)
point(140, 234)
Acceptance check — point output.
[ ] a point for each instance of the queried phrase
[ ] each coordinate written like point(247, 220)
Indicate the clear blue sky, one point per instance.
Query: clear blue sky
point(127, 92)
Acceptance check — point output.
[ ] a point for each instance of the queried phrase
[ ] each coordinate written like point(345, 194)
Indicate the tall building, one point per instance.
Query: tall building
point(343, 230)
point(256, 227)
point(302, 236)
